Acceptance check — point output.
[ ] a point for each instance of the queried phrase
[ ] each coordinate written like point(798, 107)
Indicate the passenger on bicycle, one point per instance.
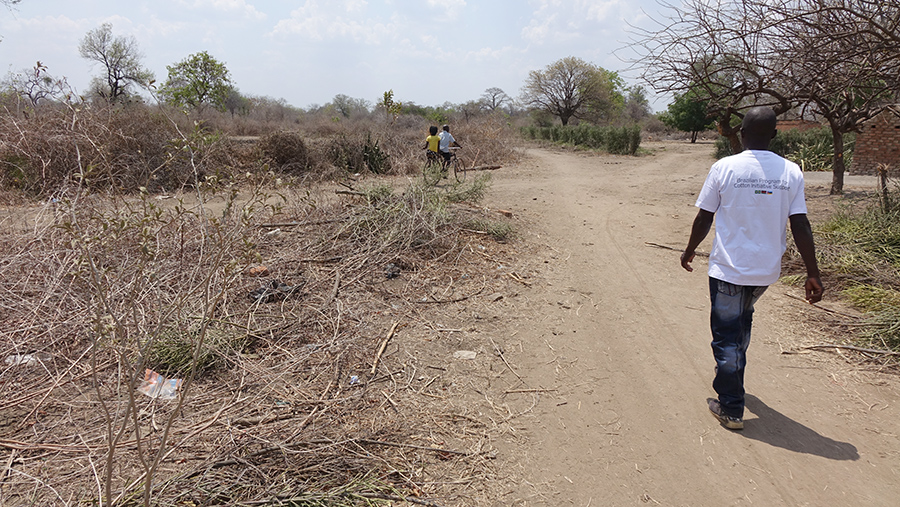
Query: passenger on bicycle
point(447, 140)
point(432, 143)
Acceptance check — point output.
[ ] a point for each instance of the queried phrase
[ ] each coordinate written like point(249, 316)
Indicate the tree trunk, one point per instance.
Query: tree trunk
point(726, 130)
point(694, 136)
point(837, 169)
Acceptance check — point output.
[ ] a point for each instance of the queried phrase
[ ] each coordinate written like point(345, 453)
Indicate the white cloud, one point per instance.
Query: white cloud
point(230, 6)
point(347, 19)
point(553, 21)
point(452, 9)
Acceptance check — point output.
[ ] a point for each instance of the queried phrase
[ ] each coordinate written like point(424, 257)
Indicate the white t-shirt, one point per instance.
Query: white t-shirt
point(446, 139)
point(752, 194)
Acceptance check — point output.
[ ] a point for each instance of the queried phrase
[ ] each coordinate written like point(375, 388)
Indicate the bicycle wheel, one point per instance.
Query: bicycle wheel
point(431, 173)
point(459, 170)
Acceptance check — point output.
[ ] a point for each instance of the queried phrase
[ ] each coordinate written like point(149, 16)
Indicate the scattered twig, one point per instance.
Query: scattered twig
point(328, 260)
point(798, 298)
point(9, 464)
point(334, 291)
point(383, 346)
point(517, 391)
point(500, 353)
point(515, 276)
point(666, 247)
point(349, 192)
point(393, 498)
point(300, 224)
point(413, 446)
point(457, 300)
point(851, 347)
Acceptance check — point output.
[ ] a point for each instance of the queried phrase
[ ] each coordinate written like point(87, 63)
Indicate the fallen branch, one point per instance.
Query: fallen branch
point(851, 347)
point(517, 391)
point(666, 247)
point(484, 168)
point(383, 346)
point(500, 353)
point(788, 294)
point(349, 192)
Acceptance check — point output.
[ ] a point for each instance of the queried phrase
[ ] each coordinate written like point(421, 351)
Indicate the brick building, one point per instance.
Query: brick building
point(878, 142)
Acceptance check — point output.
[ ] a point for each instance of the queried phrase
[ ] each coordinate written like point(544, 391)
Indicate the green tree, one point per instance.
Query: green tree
point(637, 107)
point(573, 88)
point(391, 108)
point(688, 114)
point(198, 81)
point(121, 60)
point(236, 103)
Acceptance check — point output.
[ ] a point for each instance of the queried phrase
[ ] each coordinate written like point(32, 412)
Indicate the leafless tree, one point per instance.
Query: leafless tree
point(834, 59)
point(37, 86)
point(494, 98)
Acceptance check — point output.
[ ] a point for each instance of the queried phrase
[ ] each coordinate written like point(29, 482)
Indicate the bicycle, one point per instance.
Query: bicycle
point(459, 168)
point(433, 170)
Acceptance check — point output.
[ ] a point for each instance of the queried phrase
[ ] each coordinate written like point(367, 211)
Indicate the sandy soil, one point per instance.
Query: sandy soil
point(611, 342)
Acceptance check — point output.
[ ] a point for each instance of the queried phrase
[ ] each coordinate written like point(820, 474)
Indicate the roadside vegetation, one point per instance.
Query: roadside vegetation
point(859, 247)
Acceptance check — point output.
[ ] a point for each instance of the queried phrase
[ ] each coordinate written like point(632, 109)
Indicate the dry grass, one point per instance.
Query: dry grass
point(296, 413)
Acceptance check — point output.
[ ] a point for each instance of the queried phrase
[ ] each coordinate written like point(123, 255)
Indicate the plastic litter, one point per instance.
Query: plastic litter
point(464, 354)
point(156, 386)
point(32, 359)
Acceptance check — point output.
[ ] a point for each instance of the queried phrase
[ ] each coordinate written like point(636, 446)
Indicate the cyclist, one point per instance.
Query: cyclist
point(447, 140)
point(432, 143)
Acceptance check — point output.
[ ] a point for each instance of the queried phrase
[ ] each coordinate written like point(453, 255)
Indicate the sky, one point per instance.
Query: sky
point(308, 51)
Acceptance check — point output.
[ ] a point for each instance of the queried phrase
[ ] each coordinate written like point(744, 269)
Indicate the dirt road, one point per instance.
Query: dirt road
point(613, 344)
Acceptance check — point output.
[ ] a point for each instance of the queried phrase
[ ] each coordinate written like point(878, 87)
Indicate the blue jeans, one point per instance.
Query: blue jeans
point(730, 321)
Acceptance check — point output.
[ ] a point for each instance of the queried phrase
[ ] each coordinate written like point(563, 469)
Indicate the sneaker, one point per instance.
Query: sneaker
point(732, 423)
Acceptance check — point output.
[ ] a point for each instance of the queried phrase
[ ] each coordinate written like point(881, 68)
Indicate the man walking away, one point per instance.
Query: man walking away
point(751, 196)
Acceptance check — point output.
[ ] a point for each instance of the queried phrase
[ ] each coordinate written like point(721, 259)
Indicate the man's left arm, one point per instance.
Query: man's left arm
point(803, 238)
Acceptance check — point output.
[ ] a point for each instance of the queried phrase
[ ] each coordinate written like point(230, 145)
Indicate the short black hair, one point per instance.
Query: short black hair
point(759, 122)
point(432, 130)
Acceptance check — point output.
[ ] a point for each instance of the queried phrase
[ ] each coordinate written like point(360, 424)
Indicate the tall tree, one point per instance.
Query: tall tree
point(637, 107)
point(121, 60)
point(197, 81)
point(571, 88)
point(494, 98)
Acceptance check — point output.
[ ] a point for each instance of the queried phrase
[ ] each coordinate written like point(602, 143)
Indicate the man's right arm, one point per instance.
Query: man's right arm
point(702, 223)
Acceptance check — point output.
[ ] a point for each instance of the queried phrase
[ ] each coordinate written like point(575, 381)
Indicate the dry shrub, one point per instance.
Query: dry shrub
point(285, 152)
point(116, 149)
point(92, 285)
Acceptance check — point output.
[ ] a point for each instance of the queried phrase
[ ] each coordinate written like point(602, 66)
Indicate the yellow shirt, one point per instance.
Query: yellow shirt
point(433, 142)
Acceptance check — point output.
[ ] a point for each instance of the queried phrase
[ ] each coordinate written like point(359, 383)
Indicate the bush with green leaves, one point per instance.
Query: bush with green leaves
point(812, 149)
point(616, 140)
